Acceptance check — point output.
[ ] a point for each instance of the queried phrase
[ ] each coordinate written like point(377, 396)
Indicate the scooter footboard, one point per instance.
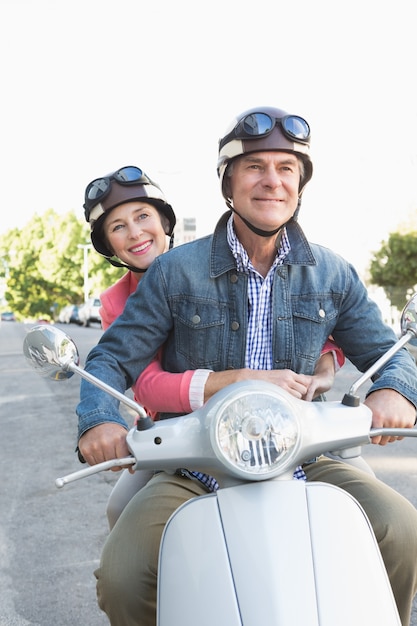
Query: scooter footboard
point(273, 553)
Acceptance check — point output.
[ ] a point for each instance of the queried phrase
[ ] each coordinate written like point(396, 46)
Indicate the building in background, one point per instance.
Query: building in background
point(185, 230)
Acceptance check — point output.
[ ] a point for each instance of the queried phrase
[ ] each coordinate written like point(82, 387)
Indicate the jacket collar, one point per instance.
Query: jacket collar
point(221, 258)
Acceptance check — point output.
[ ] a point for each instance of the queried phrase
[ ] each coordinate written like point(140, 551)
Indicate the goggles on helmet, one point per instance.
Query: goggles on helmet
point(99, 188)
point(256, 125)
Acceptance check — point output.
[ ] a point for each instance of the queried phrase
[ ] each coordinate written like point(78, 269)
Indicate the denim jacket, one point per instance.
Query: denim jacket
point(193, 301)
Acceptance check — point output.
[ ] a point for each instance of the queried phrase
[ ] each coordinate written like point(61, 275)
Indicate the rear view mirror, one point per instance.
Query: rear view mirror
point(50, 352)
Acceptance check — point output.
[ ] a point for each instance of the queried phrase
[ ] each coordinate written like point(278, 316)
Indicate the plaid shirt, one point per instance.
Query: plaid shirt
point(259, 338)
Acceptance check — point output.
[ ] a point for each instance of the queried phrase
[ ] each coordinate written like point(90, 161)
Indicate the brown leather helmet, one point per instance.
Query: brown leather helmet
point(263, 129)
point(126, 184)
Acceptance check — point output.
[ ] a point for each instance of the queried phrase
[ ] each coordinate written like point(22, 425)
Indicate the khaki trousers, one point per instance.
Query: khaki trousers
point(127, 576)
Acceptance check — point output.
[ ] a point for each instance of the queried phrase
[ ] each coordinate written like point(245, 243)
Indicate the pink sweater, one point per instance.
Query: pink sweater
point(172, 390)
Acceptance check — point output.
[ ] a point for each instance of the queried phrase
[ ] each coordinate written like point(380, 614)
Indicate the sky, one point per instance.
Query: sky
point(91, 85)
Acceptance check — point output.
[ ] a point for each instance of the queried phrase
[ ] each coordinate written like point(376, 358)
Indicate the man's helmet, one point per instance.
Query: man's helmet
point(264, 129)
point(125, 185)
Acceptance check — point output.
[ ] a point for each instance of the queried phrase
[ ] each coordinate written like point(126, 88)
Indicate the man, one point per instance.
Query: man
point(253, 295)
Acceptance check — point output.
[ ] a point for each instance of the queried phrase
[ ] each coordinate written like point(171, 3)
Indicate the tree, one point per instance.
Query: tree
point(45, 265)
point(394, 267)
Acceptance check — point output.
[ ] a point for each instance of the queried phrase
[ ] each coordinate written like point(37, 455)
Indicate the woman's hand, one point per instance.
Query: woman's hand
point(300, 386)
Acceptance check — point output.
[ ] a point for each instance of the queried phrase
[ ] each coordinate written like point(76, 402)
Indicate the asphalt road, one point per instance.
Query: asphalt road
point(50, 539)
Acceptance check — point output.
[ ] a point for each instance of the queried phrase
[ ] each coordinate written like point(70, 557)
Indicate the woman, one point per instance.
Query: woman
point(131, 224)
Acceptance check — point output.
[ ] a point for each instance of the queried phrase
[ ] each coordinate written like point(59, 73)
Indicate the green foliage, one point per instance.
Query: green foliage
point(44, 268)
point(394, 267)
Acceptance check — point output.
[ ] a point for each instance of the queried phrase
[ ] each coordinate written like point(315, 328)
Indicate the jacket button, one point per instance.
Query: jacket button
point(235, 325)
point(196, 319)
point(233, 278)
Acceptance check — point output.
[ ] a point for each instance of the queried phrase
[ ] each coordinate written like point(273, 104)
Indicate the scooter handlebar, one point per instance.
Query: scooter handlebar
point(94, 469)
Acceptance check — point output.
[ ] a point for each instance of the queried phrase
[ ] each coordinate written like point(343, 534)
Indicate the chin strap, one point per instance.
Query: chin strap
point(265, 233)
point(128, 267)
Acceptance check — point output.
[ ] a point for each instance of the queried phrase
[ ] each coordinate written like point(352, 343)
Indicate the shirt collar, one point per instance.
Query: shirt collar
point(243, 262)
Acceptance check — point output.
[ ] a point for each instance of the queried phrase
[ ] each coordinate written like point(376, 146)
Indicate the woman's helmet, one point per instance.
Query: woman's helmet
point(265, 128)
point(124, 185)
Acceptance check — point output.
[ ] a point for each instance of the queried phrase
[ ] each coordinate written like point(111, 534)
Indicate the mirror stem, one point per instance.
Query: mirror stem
point(351, 398)
point(113, 392)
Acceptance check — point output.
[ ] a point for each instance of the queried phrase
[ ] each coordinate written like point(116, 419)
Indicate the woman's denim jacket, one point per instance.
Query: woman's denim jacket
point(193, 301)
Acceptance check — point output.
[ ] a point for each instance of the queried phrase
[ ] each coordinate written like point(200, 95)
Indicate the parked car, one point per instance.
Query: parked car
point(64, 314)
point(8, 316)
point(90, 312)
point(74, 318)
point(69, 314)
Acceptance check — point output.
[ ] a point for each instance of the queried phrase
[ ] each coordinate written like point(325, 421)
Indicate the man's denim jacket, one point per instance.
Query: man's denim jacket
point(193, 301)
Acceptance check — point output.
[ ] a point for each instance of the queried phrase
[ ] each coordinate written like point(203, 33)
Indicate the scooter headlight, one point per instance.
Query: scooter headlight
point(256, 432)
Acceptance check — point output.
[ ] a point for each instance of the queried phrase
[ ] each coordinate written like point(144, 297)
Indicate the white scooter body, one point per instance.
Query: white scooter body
point(273, 553)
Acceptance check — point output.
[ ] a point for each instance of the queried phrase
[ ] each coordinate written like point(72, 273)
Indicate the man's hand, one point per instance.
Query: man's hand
point(390, 410)
point(103, 443)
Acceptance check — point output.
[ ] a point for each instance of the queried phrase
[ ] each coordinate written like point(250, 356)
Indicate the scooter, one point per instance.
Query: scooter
point(264, 549)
